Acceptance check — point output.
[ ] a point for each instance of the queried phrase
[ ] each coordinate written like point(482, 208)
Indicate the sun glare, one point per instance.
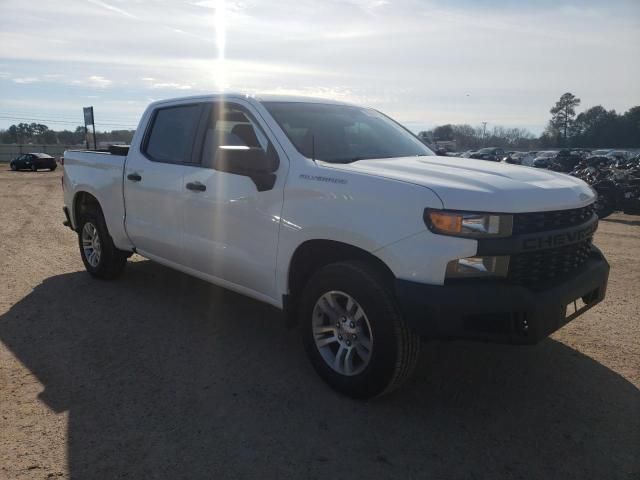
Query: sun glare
point(220, 26)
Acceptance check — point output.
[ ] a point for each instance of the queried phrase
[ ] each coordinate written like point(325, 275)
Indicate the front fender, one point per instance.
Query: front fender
point(359, 210)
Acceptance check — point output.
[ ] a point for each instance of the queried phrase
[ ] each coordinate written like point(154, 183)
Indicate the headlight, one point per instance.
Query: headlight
point(468, 224)
point(478, 267)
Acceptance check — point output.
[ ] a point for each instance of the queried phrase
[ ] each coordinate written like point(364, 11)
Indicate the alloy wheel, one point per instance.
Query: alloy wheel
point(91, 244)
point(342, 333)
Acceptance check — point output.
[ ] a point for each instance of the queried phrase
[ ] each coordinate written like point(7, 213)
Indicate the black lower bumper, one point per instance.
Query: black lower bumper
point(501, 312)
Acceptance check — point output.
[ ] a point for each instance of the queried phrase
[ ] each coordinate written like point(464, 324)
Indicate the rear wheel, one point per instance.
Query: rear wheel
point(100, 256)
point(353, 332)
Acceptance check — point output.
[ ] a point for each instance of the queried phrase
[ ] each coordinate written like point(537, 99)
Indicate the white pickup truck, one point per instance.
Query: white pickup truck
point(343, 219)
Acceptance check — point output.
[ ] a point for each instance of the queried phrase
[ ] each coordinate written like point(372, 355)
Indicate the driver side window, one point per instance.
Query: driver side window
point(229, 125)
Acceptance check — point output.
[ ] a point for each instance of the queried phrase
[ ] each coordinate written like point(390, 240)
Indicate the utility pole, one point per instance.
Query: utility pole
point(95, 144)
point(484, 129)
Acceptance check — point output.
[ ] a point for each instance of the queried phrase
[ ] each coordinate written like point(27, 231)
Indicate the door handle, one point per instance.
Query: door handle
point(134, 177)
point(196, 186)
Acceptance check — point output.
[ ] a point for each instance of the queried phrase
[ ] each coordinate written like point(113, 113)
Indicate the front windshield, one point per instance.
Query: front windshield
point(343, 133)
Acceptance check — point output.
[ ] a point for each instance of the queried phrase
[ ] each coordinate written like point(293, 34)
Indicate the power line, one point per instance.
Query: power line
point(71, 118)
point(64, 122)
point(52, 120)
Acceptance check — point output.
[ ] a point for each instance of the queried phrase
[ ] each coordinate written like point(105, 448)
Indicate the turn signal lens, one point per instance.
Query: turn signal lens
point(446, 222)
point(468, 224)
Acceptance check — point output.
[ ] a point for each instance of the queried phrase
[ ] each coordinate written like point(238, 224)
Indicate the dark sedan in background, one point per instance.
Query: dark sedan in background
point(492, 154)
point(33, 162)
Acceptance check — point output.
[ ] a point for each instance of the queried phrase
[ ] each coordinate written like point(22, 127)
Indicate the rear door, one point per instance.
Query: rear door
point(230, 227)
point(153, 182)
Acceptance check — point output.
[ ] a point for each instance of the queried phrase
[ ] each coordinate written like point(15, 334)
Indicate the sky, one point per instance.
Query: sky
point(425, 63)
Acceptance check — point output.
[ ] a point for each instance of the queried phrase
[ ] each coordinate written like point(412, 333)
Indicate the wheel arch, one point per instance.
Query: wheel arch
point(84, 201)
point(312, 255)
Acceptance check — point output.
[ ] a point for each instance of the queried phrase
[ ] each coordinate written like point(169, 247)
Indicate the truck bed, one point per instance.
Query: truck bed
point(100, 173)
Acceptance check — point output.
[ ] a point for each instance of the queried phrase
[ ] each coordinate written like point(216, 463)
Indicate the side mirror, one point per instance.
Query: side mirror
point(250, 162)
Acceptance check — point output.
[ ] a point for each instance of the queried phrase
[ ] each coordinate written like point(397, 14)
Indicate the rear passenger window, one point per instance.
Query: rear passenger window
point(172, 133)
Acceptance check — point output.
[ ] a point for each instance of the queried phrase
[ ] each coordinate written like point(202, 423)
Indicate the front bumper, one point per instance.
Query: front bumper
point(502, 312)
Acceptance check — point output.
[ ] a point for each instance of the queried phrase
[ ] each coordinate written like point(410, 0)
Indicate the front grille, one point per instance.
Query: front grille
point(543, 221)
point(543, 265)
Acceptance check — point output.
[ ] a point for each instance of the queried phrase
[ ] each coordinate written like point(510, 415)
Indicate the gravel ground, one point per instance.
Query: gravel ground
point(158, 375)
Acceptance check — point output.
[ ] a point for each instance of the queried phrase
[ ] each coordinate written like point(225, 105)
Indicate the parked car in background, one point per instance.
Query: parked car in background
point(33, 162)
point(543, 159)
point(601, 153)
point(490, 153)
point(565, 160)
point(584, 152)
point(520, 158)
point(619, 155)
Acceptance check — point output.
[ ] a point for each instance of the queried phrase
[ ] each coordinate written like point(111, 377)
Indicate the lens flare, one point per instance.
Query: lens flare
point(220, 26)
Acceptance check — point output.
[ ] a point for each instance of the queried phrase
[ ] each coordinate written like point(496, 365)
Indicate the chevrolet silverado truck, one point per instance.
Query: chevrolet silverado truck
point(346, 221)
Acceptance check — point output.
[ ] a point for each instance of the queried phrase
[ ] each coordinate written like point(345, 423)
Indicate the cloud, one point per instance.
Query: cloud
point(112, 8)
point(26, 79)
point(94, 81)
point(172, 86)
point(413, 59)
point(152, 83)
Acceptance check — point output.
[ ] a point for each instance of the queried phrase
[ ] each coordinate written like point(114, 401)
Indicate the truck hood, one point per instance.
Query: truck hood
point(479, 185)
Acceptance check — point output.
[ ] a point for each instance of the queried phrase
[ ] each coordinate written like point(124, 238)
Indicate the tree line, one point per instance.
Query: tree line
point(39, 134)
point(596, 127)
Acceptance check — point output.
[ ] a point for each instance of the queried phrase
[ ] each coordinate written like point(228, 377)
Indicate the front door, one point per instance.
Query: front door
point(231, 228)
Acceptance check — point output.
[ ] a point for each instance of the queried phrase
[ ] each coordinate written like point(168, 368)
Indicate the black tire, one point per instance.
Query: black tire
point(13, 167)
point(34, 168)
point(53, 168)
point(112, 261)
point(395, 348)
point(604, 207)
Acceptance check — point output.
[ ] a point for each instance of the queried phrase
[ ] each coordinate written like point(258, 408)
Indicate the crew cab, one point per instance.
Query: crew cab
point(346, 221)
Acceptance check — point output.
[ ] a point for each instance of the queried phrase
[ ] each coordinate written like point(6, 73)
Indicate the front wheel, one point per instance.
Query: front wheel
point(100, 256)
point(13, 167)
point(53, 168)
point(353, 332)
point(34, 168)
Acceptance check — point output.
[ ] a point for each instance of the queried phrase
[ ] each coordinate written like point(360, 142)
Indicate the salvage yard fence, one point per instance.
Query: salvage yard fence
point(10, 151)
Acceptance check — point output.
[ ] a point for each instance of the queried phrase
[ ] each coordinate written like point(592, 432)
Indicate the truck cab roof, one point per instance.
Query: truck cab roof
point(259, 97)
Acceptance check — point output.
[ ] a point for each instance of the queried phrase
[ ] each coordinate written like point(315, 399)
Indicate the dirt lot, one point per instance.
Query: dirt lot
point(158, 375)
